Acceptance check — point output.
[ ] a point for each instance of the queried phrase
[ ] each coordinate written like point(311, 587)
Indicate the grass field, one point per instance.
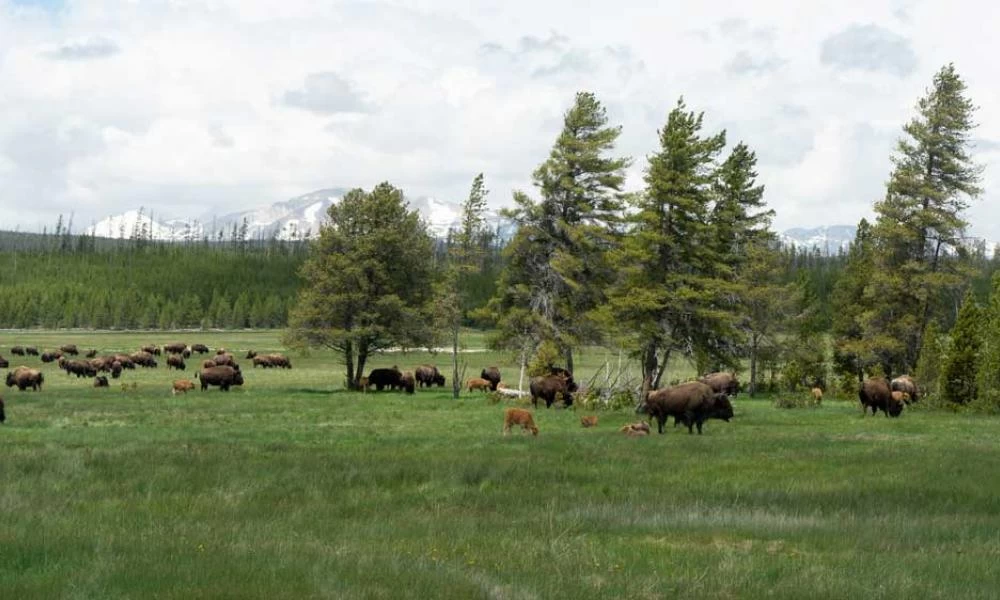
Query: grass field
point(291, 488)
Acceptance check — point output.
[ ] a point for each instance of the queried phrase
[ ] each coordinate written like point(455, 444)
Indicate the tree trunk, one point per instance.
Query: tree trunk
point(754, 345)
point(648, 368)
point(520, 378)
point(362, 359)
point(569, 359)
point(352, 381)
point(456, 385)
point(662, 369)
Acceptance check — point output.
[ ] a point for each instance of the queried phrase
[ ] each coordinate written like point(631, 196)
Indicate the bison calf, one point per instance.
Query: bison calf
point(518, 416)
point(182, 385)
point(590, 421)
point(477, 383)
point(100, 381)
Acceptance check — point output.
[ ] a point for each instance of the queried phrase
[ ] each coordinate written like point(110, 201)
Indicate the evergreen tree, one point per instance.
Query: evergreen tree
point(367, 281)
point(958, 377)
point(558, 270)
point(852, 354)
point(932, 351)
point(988, 380)
point(921, 219)
point(766, 303)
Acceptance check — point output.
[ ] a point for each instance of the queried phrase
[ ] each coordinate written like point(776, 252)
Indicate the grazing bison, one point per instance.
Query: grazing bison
point(208, 363)
point(478, 383)
point(175, 347)
point(518, 416)
point(199, 348)
point(31, 351)
point(280, 361)
point(102, 363)
point(144, 359)
point(407, 381)
point(23, 378)
point(186, 353)
point(905, 383)
point(590, 421)
point(91, 353)
point(550, 387)
point(4, 363)
point(116, 369)
point(70, 349)
point(17, 350)
point(100, 381)
point(182, 385)
point(225, 360)
point(491, 374)
point(382, 378)
point(722, 383)
point(48, 357)
point(428, 375)
point(251, 354)
point(176, 362)
point(223, 377)
point(154, 350)
point(80, 368)
point(262, 361)
point(875, 394)
point(817, 395)
point(694, 402)
point(125, 360)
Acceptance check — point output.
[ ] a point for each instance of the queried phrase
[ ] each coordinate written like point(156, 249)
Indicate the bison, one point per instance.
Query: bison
point(225, 360)
point(100, 381)
point(31, 351)
point(91, 353)
point(262, 361)
point(182, 385)
point(48, 357)
point(817, 394)
point(589, 421)
point(905, 383)
point(550, 387)
point(491, 374)
point(80, 368)
point(176, 362)
point(694, 402)
point(17, 350)
point(407, 381)
point(125, 360)
point(199, 348)
point(23, 378)
point(70, 349)
point(518, 416)
point(280, 361)
point(116, 369)
point(722, 383)
point(208, 363)
point(175, 347)
point(251, 354)
point(4, 363)
point(874, 393)
point(428, 375)
point(478, 383)
point(382, 378)
point(224, 377)
point(144, 359)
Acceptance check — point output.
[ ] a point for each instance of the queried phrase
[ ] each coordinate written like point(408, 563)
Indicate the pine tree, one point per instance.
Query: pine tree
point(558, 269)
point(852, 355)
point(765, 301)
point(367, 283)
point(921, 220)
point(958, 377)
point(988, 379)
point(932, 351)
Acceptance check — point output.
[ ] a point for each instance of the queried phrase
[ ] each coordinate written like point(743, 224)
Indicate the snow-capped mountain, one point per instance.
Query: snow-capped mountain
point(828, 239)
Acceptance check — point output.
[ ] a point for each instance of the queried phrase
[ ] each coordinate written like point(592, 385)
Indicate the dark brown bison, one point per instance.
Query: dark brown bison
point(100, 381)
point(186, 353)
point(224, 377)
point(152, 349)
point(80, 368)
point(4, 363)
point(48, 357)
point(491, 374)
point(174, 348)
point(70, 349)
point(905, 383)
point(102, 363)
point(251, 354)
point(91, 353)
point(23, 378)
point(125, 360)
point(408, 382)
point(382, 378)
point(262, 361)
point(208, 363)
point(116, 369)
point(221, 351)
point(225, 360)
point(279, 360)
point(694, 402)
point(722, 383)
point(428, 375)
point(175, 362)
point(875, 394)
point(550, 387)
point(17, 350)
point(31, 351)
point(144, 359)
point(199, 348)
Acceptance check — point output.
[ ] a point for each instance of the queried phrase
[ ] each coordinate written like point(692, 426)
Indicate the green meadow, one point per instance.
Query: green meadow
point(290, 487)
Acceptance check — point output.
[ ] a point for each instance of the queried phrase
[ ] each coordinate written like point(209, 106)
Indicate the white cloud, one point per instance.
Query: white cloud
point(199, 106)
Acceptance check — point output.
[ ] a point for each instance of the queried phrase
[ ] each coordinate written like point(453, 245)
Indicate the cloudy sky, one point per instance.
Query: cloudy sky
point(191, 107)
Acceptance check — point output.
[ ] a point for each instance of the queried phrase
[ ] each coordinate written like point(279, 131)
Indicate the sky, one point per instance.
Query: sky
point(198, 107)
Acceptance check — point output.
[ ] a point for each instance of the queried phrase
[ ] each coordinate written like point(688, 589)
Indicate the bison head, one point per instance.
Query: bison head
point(10, 379)
point(439, 380)
point(642, 408)
point(238, 378)
point(723, 408)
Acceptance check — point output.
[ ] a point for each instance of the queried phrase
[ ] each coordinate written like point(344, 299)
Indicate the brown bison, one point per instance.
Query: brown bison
point(100, 381)
point(175, 362)
point(722, 383)
point(116, 369)
point(589, 421)
point(551, 387)
point(905, 383)
point(208, 363)
point(224, 377)
point(694, 402)
point(23, 378)
point(17, 350)
point(382, 378)
point(102, 363)
point(251, 354)
point(875, 394)
point(151, 348)
point(262, 361)
point(70, 349)
point(199, 348)
point(4, 363)
point(641, 427)
point(491, 374)
point(31, 351)
point(428, 375)
point(91, 353)
point(408, 381)
point(144, 359)
point(48, 357)
point(225, 360)
point(279, 360)
point(478, 383)
point(80, 368)
point(125, 360)
point(175, 347)
point(817, 395)
point(518, 416)
point(182, 385)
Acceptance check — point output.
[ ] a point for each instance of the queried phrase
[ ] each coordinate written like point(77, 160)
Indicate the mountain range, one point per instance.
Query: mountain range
point(301, 217)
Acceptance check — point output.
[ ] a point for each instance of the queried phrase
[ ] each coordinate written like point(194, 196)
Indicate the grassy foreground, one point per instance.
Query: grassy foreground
point(290, 488)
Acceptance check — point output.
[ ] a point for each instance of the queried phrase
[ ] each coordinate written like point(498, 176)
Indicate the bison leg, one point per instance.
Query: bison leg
point(660, 421)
